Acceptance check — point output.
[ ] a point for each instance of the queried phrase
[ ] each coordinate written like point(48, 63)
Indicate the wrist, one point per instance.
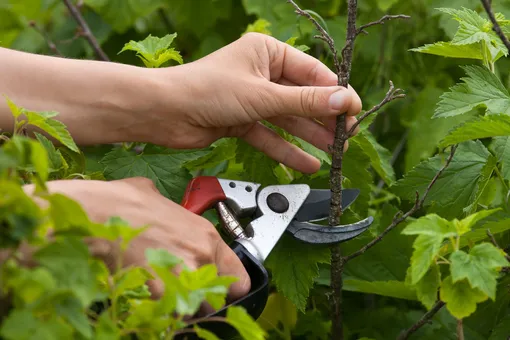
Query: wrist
point(155, 100)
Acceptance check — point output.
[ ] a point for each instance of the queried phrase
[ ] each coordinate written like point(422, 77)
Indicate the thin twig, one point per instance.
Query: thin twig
point(424, 319)
point(399, 218)
point(49, 42)
point(391, 95)
point(486, 4)
point(381, 21)
point(87, 33)
point(460, 330)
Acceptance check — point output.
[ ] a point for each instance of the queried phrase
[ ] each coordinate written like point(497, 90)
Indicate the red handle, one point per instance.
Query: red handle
point(202, 193)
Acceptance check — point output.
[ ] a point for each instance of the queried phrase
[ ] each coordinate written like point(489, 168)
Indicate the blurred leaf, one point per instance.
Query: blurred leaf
point(244, 324)
point(121, 14)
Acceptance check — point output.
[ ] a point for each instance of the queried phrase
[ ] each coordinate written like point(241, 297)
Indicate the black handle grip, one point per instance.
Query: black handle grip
point(254, 302)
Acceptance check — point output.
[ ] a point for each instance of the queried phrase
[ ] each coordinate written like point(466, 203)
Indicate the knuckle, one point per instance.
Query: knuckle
point(206, 252)
point(308, 99)
point(254, 37)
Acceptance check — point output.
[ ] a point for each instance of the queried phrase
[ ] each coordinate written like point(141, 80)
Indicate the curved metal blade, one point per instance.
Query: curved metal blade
point(319, 234)
point(317, 204)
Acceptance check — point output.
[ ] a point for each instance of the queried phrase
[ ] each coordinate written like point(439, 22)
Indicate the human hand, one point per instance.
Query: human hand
point(257, 77)
point(170, 226)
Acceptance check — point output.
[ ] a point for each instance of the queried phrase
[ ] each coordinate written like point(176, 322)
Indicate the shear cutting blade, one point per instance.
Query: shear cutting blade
point(319, 234)
point(317, 204)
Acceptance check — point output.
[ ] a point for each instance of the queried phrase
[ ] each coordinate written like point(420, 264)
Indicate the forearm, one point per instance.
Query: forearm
point(99, 102)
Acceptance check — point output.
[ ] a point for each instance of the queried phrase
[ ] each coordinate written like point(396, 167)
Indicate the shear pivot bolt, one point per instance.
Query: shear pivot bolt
point(277, 202)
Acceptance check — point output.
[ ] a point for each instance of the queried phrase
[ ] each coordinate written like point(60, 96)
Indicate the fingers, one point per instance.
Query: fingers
point(311, 102)
point(296, 66)
point(274, 146)
point(229, 264)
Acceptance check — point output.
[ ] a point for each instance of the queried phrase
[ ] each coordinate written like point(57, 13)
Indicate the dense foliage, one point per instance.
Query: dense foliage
point(453, 68)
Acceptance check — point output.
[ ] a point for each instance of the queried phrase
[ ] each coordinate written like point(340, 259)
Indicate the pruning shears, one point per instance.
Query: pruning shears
point(271, 211)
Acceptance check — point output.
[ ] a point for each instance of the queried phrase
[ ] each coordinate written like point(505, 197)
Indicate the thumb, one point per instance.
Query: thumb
point(313, 101)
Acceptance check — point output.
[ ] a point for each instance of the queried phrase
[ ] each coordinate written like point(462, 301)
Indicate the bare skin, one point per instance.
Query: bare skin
point(225, 94)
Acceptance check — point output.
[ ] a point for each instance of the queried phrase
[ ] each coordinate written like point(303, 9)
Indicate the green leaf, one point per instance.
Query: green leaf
point(106, 328)
point(425, 133)
point(131, 279)
point(70, 309)
point(502, 330)
point(475, 29)
point(68, 214)
point(460, 298)
point(449, 50)
point(294, 267)
point(428, 286)
point(463, 226)
point(258, 167)
point(163, 166)
point(356, 165)
point(55, 128)
point(482, 127)
point(204, 284)
point(224, 150)
point(15, 110)
point(260, 26)
point(314, 151)
point(501, 148)
point(205, 334)
point(456, 188)
point(31, 156)
point(29, 285)
point(244, 324)
point(485, 176)
point(74, 271)
point(122, 14)
point(55, 158)
point(116, 229)
point(154, 51)
point(161, 258)
point(481, 89)
point(479, 267)
point(380, 157)
point(292, 42)
point(396, 289)
point(22, 324)
point(431, 231)
point(496, 227)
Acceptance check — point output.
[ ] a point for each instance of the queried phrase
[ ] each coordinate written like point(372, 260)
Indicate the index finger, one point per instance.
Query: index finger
point(296, 66)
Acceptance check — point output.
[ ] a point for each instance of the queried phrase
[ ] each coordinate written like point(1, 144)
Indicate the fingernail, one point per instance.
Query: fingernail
point(337, 100)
